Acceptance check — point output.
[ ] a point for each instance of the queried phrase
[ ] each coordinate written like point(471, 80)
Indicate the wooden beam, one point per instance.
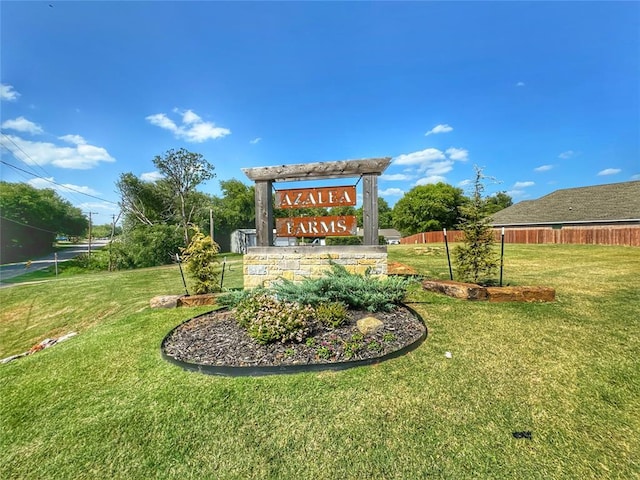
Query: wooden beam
point(370, 209)
point(318, 170)
point(264, 214)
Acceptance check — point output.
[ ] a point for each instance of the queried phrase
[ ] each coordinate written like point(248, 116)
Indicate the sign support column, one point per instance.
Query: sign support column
point(264, 213)
point(370, 208)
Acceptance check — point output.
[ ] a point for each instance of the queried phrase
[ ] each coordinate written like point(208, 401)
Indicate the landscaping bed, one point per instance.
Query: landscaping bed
point(216, 339)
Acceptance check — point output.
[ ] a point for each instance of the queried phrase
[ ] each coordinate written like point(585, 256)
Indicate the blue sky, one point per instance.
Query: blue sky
point(542, 95)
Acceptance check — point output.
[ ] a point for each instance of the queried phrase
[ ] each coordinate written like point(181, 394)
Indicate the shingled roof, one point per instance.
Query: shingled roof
point(610, 203)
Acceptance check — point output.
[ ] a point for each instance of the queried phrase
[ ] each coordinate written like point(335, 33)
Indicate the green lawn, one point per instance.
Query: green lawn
point(105, 405)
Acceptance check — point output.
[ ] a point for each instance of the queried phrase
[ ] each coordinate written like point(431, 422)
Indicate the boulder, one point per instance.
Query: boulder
point(465, 291)
point(521, 294)
point(197, 300)
point(164, 301)
point(369, 325)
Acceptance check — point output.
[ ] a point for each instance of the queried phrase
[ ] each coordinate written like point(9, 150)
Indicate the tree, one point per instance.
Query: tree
point(142, 202)
point(427, 208)
point(32, 218)
point(497, 202)
point(235, 209)
point(475, 259)
point(183, 171)
point(385, 214)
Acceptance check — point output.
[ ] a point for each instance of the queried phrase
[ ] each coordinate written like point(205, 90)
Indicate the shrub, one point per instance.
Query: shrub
point(355, 291)
point(332, 314)
point(267, 319)
point(202, 264)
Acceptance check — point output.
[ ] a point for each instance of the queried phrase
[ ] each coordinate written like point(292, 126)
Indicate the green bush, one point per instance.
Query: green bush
point(332, 314)
point(267, 319)
point(351, 240)
point(355, 291)
point(202, 263)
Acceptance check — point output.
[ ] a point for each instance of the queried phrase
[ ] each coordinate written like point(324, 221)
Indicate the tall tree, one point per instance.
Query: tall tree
point(183, 171)
point(31, 219)
point(428, 207)
point(497, 202)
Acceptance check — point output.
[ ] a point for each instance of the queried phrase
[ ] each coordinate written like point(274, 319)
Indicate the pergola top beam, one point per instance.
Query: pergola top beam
point(318, 170)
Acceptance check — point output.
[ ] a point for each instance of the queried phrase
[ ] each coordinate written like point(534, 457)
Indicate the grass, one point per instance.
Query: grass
point(104, 404)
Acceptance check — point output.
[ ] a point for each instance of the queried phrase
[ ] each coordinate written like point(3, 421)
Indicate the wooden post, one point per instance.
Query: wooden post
point(370, 208)
point(264, 214)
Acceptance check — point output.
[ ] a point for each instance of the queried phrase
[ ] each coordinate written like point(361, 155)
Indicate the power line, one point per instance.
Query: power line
point(58, 184)
point(25, 154)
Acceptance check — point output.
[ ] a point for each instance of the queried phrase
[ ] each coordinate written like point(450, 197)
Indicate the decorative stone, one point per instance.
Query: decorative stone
point(465, 291)
point(164, 301)
point(197, 300)
point(369, 325)
point(521, 294)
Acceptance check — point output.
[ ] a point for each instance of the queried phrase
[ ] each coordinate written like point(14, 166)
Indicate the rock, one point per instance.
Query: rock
point(369, 325)
point(197, 300)
point(164, 301)
point(521, 294)
point(466, 291)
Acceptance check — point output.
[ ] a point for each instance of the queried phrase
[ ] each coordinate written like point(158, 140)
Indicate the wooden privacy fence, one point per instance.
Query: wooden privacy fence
point(597, 235)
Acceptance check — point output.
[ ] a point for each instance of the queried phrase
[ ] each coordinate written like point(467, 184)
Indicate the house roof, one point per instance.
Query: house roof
point(614, 202)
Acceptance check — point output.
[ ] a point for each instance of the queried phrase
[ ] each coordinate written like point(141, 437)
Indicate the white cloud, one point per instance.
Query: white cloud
point(519, 185)
point(79, 157)
point(635, 177)
point(8, 93)
point(609, 171)
point(193, 128)
point(566, 155)
point(515, 193)
point(422, 158)
point(41, 183)
point(431, 179)
point(21, 124)
point(459, 154)
point(520, 84)
point(151, 176)
point(255, 140)
point(392, 192)
point(465, 183)
point(73, 139)
point(395, 177)
point(442, 128)
point(543, 168)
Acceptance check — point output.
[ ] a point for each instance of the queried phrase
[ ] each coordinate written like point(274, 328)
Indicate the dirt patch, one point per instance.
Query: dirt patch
point(216, 339)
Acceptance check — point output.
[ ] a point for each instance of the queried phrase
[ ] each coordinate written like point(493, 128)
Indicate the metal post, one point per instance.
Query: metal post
point(446, 244)
point(501, 255)
point(182, 274)
point(55, 259)
point(224, 264)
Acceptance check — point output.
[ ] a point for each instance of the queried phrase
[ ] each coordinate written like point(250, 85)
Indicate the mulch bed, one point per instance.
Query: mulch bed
point(216, 339)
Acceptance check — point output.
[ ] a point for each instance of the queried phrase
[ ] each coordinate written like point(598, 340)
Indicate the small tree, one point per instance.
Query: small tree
point(476, 259)
point(201, 263)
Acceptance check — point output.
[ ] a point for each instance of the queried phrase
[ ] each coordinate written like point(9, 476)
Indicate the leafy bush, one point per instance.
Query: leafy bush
point(202, 263)
point(351, 240)
point(355, 291)
point(267, 319)
point(332, 314)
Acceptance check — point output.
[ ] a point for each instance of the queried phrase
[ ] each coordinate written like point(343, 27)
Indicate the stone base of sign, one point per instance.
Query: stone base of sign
point(264, 265)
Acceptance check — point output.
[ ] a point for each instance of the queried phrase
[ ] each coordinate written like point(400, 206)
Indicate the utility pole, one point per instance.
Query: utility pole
point(211, 223)
point(90, 213)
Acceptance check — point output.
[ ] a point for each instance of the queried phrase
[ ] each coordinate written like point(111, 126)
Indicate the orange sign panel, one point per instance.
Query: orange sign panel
point(333, 226)
point(316, 197)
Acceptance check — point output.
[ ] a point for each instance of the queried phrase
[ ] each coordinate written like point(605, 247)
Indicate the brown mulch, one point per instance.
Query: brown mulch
point(216, 339)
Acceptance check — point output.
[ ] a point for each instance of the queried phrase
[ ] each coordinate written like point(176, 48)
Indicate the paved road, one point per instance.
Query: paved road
point(11, 270)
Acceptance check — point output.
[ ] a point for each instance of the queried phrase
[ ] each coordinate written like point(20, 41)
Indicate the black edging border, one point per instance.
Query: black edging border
point(259, 371)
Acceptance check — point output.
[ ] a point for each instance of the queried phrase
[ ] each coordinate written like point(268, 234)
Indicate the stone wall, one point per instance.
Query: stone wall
point(263, 265)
